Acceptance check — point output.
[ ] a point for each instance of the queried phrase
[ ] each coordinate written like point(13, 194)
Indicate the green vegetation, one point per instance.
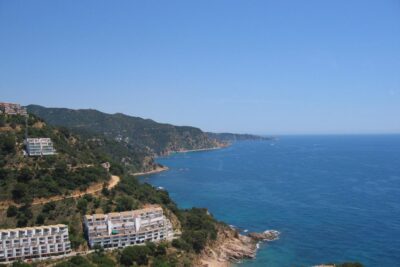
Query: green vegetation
point(156, 255)
point(231, 137)
point(77, 166)
point(136, 133)
point(23, 178)
point(199, 228)
point(76, 261)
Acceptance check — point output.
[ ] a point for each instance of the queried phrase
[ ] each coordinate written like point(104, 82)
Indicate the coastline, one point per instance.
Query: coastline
point(200, 149)
point(231, 247)
point(156, 170)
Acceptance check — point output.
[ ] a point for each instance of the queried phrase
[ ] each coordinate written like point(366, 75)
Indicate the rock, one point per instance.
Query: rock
point(231, 246)
point(268, 235)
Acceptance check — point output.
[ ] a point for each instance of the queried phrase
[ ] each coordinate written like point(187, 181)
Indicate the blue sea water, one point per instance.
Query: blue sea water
point(333, 198)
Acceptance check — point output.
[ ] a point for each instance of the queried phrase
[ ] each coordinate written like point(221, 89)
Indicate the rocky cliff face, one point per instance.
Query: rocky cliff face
point(231, 246)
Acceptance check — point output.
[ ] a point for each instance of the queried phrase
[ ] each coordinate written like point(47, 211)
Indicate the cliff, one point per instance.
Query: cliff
point(231, 246)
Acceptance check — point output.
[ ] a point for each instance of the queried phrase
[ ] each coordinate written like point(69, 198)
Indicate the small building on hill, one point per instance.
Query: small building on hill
point(106, 166)
point(117, 230)
point(34, 243)
point(12, 109)
point(39, 147)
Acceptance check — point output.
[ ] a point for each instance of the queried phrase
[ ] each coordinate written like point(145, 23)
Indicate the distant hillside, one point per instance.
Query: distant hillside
point(231, 137)
point(136, 133)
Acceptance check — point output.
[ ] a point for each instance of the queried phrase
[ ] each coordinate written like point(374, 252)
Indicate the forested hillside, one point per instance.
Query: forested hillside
point(139, 134)
point(75, 166)
point(231, 137)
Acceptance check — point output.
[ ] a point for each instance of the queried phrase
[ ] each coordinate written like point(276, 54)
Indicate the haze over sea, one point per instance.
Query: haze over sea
point(333, 198)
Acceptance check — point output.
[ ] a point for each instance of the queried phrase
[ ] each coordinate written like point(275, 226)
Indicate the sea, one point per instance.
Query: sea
point(334, 198)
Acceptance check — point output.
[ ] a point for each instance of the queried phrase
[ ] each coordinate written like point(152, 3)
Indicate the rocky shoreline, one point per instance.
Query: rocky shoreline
point(156, 170)
point(231, 246)
point(171, 151)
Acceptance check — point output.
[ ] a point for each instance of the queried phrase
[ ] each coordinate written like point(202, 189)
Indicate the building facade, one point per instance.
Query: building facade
point(12, 109)
point(117, 230)
point(34, 242)
point(39, 147)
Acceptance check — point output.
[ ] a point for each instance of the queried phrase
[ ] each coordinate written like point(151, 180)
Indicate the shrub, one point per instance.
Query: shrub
point(7, 144)
point(82, 205)
point(76, 261)
point(125, 203)
point(48, 207)
point(40, 219)
point(20, 264)
point(12, 211)
point(19, 192)
point(135, 254)
point(161, 262)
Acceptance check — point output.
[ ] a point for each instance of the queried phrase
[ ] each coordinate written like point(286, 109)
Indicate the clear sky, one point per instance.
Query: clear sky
point(267, 67)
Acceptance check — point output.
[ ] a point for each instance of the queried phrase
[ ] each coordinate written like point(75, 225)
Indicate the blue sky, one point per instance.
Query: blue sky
point(269, 67)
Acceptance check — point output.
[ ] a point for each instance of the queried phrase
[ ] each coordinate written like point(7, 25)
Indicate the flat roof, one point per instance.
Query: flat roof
point(33, 227)
point(147, 208)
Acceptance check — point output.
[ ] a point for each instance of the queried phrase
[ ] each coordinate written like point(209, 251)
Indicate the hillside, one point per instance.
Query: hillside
point(75, 166)
point(232, 137)
point(137, 134)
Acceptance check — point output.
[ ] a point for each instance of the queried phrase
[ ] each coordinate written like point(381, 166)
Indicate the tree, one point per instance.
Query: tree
point(96, 203)
point(25, 175)
point(3, 172)
point(199, 240)
point(138, 254)
point(107, 206)
point(20, 264)
point(76, 261)
point(12, 211)
point(26, 211)
point(116, 169)
point(22, 221)
point(161, 262)
point(7, 143)
point(181, 244)
point(161, 249)
point(82, 205)
point(88, 197)
point(2, 121)
point(124, 203)
point(40, 219)
point(152, 247)
point(20, 190)
point(98, 249)
point(105, 191)
point(102, 260)
point(48, 207)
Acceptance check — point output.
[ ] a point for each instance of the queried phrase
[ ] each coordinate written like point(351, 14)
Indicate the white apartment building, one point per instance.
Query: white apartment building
point(39, 147)
point(34, 242)
point(117, 230)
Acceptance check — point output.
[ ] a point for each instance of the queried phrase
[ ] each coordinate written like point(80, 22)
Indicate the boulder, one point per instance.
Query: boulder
point(268, 235)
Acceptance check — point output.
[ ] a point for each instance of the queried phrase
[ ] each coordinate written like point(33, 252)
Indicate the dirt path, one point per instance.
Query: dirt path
point(93, 189)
